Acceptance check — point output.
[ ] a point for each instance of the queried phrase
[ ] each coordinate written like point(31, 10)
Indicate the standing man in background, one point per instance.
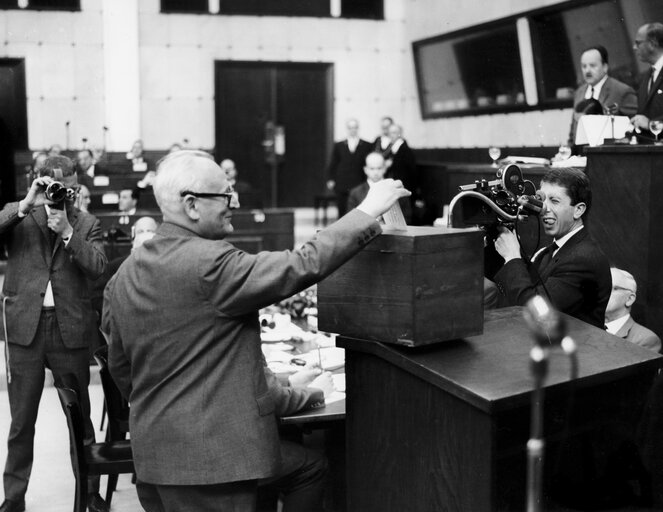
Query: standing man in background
point(53, 250)
point(648, 47)
point(614, 96)
point(346, 166)
point(382, 143)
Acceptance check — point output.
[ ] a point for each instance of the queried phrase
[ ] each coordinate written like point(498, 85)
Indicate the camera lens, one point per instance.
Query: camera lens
point(56, 192)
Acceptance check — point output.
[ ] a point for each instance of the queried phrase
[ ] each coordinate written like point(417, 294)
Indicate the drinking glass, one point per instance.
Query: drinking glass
point(656, 127)
point(494, 154)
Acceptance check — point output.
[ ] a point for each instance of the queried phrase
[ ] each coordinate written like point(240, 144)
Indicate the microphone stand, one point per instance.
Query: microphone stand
point(66, 125)
point(536, 444)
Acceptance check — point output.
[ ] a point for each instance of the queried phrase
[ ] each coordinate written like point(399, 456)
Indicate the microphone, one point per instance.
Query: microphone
point(534, 204)
point(546, 324)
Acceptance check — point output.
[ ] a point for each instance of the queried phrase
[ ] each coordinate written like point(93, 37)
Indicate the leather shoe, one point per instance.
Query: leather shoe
point(12, 506)
point(95, 503)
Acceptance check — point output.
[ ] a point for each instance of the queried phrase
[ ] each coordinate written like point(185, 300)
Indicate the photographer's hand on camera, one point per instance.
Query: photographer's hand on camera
point(507, 244)
point(35, 196)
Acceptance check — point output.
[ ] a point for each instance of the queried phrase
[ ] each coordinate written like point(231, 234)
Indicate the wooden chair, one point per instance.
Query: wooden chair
point(108, 458)
point(117, 410)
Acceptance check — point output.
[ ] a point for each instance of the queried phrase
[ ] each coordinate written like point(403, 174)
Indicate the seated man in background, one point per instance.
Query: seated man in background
point(128, 201)
point(618, 320)
point(375, 170)
point(250, 196)
point(572, 272)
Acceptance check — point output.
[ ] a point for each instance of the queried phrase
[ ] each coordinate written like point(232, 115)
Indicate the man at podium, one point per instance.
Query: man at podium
point(572, 272)
point(613, 96)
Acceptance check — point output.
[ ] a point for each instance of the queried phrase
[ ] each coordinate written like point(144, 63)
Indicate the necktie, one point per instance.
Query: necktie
point(546, 257)
point(651, 79)
point(591, 91)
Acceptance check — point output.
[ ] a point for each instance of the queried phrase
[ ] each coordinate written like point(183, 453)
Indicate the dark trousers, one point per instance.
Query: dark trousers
point(301, 478)
point(27, 365)
point(227, 497)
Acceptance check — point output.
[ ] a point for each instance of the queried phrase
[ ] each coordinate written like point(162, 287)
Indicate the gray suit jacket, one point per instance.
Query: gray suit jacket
point(613, 91)
point(182, 312)
point(32, 263)
point(640, 335)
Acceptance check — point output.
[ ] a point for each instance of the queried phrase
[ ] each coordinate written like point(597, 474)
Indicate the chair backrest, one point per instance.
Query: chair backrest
point(116, 406)
point(72, 410)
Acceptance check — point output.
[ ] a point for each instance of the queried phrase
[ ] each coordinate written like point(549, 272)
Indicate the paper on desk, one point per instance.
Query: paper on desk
point(336, 396)
point(339, 381)
point(332, 357)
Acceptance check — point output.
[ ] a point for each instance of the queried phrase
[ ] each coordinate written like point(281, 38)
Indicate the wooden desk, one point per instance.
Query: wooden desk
point(625, 219)
point(329, 413)
point(445, 427)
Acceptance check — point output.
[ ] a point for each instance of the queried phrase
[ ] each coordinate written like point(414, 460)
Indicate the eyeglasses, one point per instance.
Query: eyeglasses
point(229, 194)
point(637, 42)
point(615, 288)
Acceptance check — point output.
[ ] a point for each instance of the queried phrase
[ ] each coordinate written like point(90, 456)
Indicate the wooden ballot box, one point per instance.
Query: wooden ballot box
point(413, 286)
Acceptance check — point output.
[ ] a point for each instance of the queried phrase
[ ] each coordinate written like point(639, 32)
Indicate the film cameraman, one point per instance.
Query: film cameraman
point(53, 248)
point(572, 272)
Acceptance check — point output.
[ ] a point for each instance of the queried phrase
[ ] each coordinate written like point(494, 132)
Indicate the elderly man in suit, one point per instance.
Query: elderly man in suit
point(618, 320)
point(345, 166)
point(182, 314)
point(648, 47)
point(572, 272)
point(614, 96)
point(53, 249)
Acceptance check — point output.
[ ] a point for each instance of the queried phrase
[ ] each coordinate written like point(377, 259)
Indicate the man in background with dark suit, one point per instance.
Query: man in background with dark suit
point(53, 250)
point(184, 349)
point(648, 47)
point(382, 143)
point(347, 162)
point(401, 162)
point(87, 168)
point(618, 319)
point(614, 96)
point(572, 272)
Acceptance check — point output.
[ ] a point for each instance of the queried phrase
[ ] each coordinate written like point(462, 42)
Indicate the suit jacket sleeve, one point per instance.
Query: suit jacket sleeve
point(118, 363)
point(288, 399)
point(267, 277)
point(563, 286)
point(87, 250)
point(628, 106)
point(9, 217)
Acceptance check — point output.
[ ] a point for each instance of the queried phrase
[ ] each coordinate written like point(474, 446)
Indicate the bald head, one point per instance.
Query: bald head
point(375, 167)
point(228, 166)
point(395, 132)
point(143, 230)
point(624, 293)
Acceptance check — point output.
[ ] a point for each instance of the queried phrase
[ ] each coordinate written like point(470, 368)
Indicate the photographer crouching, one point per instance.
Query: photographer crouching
point(53, 248)
point(572, 272)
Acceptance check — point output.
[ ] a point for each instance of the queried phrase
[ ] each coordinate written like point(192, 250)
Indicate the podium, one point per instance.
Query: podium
point(625, 219)
point(444, 427)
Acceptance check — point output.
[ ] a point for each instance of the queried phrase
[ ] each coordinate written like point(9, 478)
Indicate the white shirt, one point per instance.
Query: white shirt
point(657, 68)
point(49, 301)
point(353, 143)
point(90, 171)
point(385, 140)
point(597, 89)
point(614, 326)
point(559, 242)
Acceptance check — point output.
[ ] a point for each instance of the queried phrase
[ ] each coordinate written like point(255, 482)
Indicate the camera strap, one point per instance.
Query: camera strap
point(57, 174)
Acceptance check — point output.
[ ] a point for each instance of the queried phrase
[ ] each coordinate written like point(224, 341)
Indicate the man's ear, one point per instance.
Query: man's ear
point(630, 300)
point(191, 208)
point(579, 210)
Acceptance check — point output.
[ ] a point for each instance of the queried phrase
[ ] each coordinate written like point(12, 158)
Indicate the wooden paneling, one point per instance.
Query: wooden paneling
point(625, 219)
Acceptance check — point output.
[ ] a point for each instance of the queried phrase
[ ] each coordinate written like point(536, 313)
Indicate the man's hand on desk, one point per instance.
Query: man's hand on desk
point(323, 382)
point(305, 376)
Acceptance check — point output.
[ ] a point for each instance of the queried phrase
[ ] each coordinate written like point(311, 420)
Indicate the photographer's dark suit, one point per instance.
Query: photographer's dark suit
point(39, 337)
point(577, 280)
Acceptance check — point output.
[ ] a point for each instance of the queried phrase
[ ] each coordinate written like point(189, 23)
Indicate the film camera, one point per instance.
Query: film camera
point(57, 192)
point(503, 201)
